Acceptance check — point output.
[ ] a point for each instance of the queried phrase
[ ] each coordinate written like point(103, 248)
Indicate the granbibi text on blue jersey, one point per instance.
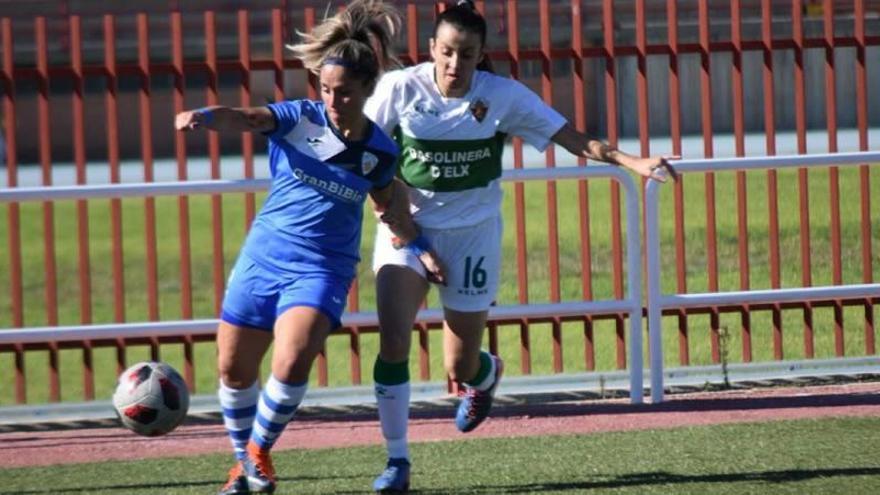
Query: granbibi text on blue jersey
point(333, 188)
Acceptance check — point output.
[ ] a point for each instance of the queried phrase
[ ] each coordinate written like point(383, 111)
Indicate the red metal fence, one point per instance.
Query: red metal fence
point(86, 87)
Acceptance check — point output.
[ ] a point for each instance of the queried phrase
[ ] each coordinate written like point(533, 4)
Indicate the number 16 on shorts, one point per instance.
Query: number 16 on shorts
point(473, 262)
point(474, 274)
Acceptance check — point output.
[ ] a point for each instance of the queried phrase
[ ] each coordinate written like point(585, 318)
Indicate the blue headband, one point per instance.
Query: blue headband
point(340, 62)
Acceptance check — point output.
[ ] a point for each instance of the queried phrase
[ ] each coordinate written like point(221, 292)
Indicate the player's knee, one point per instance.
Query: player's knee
point(234, 376)
point(291, 369)
point(394, 347)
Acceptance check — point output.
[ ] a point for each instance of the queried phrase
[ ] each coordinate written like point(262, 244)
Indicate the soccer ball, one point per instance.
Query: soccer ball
point(151, 398)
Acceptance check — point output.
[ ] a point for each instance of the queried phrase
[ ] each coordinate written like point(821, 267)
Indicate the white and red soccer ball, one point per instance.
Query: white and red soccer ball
point(151, 398)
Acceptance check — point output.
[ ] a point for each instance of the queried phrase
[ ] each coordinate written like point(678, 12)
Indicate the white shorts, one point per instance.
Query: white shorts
point(472, 256)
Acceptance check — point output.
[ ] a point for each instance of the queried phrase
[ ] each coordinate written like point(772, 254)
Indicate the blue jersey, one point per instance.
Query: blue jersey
point(311, 220)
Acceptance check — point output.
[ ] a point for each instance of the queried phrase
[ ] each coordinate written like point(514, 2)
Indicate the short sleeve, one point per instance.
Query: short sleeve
point(530, 118)
point(387, 154)
point(389, 170)
point(381, 108)
point(287, 114)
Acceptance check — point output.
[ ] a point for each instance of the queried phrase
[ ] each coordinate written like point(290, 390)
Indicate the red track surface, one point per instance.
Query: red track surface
point(39, 448)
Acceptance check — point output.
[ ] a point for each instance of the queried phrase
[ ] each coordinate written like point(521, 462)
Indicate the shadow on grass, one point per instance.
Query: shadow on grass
point(622, 481)
point(659, 478)
point(122, 488)
point(213, 484)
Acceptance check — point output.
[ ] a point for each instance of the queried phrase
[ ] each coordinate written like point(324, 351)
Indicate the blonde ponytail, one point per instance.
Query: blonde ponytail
point(351, 38)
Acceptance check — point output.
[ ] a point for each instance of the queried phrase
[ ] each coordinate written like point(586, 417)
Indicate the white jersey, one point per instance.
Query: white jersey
point(451, 147)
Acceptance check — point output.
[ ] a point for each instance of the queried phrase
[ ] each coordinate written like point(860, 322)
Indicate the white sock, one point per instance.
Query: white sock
point(393, 404)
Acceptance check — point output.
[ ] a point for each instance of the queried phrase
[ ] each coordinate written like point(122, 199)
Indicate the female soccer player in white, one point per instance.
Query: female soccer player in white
point(451, 120)
point(294, 271)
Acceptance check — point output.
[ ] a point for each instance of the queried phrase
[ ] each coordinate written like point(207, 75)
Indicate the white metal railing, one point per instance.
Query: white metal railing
point(632, 303)
point(657, 301)
point(131, 190)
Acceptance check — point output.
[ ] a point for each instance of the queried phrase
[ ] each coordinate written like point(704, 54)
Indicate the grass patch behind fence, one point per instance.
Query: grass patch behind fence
point(539, 288)
point(827, 456)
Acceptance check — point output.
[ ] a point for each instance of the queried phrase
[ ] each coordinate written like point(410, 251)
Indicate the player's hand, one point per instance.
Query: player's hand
point(190, 120)
point(655, 167)
point(390, 218)
point(435, 270)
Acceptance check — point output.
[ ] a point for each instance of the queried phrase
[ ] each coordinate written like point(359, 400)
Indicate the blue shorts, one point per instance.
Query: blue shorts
point(255, 296)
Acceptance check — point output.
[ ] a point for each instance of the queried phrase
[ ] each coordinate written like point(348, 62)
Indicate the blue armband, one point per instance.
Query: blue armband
point(207, 115)
point(418, 246)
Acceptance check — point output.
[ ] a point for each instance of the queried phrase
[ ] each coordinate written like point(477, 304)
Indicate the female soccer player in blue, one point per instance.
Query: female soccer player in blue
point(294, 271)
point(450, 117)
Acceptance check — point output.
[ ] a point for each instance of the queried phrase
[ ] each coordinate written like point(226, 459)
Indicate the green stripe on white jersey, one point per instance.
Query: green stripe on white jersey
point(449, 165)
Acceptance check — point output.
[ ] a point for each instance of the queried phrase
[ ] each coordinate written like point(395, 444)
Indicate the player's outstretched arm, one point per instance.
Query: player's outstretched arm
point(578, 143)
point(226, 119)
point(391, 206)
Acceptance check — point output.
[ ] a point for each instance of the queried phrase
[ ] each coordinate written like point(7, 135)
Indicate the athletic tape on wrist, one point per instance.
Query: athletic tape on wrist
point(207, 115)
point(418, 246)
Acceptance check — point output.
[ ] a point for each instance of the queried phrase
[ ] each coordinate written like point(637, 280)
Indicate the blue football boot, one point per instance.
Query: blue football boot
point(395, 477)
point(475, 404)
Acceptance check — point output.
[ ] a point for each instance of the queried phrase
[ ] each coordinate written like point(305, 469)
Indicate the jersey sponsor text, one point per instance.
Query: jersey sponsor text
point(333, 188)
point(449, 156)
point(450, 172)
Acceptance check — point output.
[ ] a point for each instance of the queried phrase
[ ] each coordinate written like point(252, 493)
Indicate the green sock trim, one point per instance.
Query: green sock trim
point(485, 368)
point(390, 373)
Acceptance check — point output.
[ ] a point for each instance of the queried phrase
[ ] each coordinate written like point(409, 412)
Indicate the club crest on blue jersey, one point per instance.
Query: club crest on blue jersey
point(368, 162)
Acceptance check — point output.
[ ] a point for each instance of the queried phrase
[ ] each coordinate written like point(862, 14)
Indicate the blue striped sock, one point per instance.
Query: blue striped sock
point(276, 408)
point(239, 408)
